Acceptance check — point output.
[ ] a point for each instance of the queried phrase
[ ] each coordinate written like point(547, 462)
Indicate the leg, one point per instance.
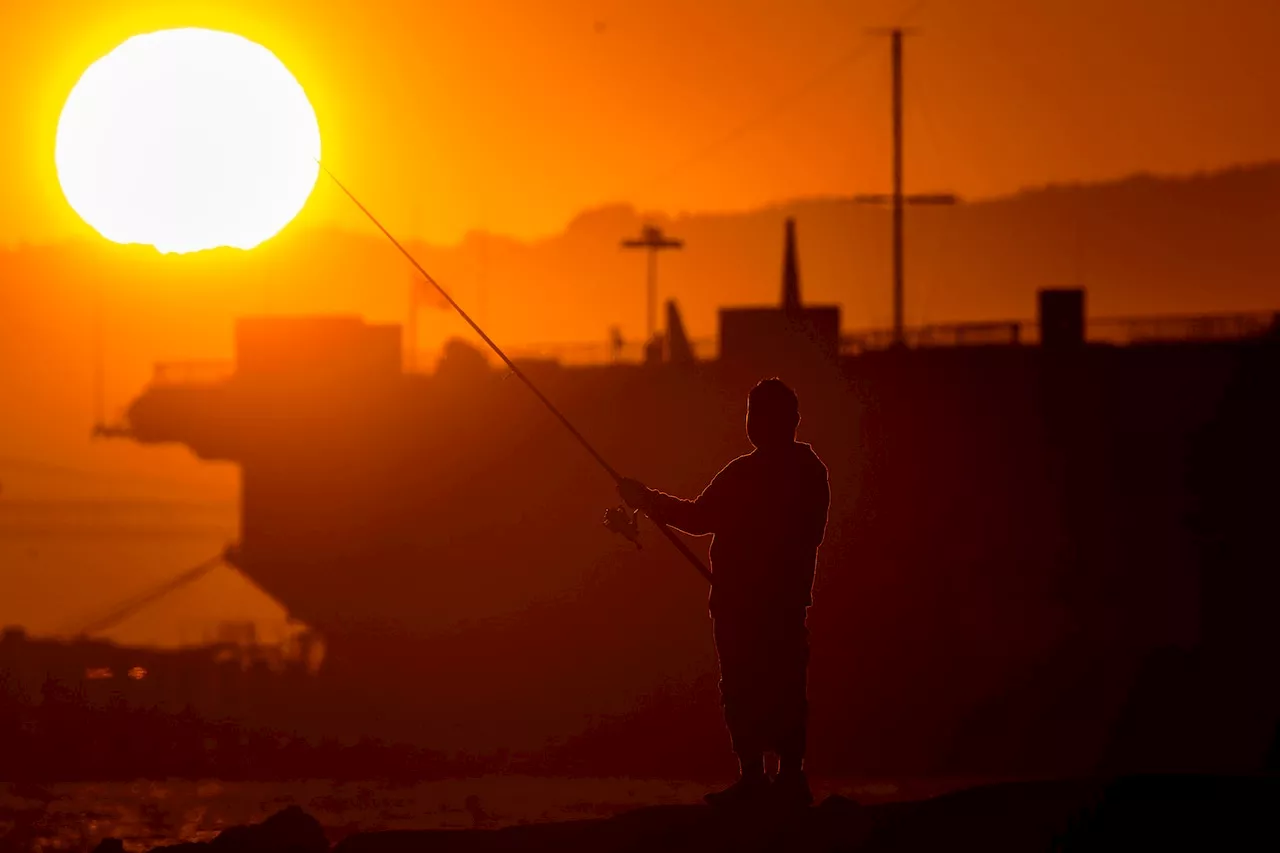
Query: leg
point(740, 694)
point(739, 677)
point(792, 709)
point(788, 729)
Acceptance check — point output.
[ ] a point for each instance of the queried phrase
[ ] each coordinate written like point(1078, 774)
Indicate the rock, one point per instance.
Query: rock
point(836, 804)
point(1129, 813)
point(109, 845)
point(1125, 814)
point(289, 831)
point(27, 791)
point(669, 829)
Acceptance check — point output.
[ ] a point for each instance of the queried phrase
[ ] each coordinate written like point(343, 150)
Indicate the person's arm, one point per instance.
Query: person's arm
point(697, 517)
point(819, 506)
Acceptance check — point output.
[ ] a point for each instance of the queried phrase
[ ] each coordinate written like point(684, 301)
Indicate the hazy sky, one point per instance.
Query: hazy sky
point(455, 115)
point(450, 115)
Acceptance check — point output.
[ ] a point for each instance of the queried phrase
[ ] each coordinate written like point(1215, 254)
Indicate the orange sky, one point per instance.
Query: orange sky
point(449, 116)
point(515, 116)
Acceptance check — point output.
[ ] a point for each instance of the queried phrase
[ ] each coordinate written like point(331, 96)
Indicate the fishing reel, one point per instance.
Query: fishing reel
point(625, 522)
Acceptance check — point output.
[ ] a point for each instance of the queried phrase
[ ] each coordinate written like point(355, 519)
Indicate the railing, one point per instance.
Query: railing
point(198, 372)
point(1006, 333)
point(1204, 327)
point(1119, 331)
point(571, 354)
point(601, 352)
point(1107, 330)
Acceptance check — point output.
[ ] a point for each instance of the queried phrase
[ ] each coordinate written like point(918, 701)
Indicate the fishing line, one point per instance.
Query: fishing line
point(126, 609)
point(516, 371)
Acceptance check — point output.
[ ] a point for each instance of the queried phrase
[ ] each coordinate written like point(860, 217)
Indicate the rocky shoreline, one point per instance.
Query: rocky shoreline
point(1182, 812)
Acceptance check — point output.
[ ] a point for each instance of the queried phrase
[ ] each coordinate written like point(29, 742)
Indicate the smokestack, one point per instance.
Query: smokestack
point(679, 350)
point(790, 272)
point(1062, 324)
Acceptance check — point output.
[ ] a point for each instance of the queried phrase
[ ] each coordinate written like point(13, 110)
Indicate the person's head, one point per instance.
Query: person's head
point(773, 413)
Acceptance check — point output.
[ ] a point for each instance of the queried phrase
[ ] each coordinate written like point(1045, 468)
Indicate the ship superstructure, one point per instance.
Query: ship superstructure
point(1008, 539)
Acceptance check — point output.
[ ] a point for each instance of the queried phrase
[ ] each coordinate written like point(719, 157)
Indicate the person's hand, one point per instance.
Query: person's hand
point(635, 493)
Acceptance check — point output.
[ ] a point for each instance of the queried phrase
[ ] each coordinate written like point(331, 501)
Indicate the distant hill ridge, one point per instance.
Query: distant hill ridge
point(1141, 245)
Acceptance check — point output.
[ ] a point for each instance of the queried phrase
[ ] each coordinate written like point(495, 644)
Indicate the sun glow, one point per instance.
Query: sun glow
point(186, 140)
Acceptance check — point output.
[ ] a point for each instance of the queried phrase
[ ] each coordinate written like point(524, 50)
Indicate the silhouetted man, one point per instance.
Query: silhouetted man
point(768, 513)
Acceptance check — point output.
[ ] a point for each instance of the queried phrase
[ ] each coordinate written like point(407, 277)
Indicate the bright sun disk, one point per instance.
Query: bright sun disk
point(186, 140)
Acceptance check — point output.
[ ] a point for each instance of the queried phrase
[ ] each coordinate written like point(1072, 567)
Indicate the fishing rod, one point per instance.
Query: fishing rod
point(613, 520)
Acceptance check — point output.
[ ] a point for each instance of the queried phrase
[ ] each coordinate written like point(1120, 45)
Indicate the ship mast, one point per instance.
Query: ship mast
point(897, 199)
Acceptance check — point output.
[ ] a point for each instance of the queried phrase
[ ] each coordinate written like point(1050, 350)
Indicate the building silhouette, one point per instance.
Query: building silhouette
point(1009, 543)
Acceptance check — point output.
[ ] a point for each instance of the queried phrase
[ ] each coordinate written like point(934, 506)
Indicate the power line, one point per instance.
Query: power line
point(778, 106)
point(128, 608)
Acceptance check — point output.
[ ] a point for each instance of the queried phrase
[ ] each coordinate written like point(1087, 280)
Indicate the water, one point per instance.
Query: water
point(147, 813)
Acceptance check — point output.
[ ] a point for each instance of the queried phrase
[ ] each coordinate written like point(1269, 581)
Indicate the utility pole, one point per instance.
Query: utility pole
point(652, 239)
point(409, 344)
point(410, 355)
point(897, 199)
point(99, 362)
point(101, 429)
point(898, 297)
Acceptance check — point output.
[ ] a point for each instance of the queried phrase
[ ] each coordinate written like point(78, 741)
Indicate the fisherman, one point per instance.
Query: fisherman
point(767, 511)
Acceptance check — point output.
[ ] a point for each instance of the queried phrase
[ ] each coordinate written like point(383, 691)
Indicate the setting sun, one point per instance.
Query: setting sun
point(186, 140)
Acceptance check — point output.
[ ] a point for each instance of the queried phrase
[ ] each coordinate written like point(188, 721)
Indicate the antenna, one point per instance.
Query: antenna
point(411, 327)
point(98, 393)
point(482, 271)
point(99, 365)
point(410, 354)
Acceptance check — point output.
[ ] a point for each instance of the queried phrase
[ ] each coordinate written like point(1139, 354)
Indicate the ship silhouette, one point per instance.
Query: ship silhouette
point(1018, 575)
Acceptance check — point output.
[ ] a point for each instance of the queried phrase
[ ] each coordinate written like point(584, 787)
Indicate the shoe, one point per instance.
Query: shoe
point(792, 789)
point(749, 790)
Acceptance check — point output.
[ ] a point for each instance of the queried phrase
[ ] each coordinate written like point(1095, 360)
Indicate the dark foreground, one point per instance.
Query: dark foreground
point(1131, 813)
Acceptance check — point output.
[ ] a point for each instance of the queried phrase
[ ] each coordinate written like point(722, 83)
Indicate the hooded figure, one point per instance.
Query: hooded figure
point(768, 513)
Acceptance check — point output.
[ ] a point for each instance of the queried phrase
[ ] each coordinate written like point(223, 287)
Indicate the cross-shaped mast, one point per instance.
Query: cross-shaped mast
point(898, 199)
point(652, 239)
